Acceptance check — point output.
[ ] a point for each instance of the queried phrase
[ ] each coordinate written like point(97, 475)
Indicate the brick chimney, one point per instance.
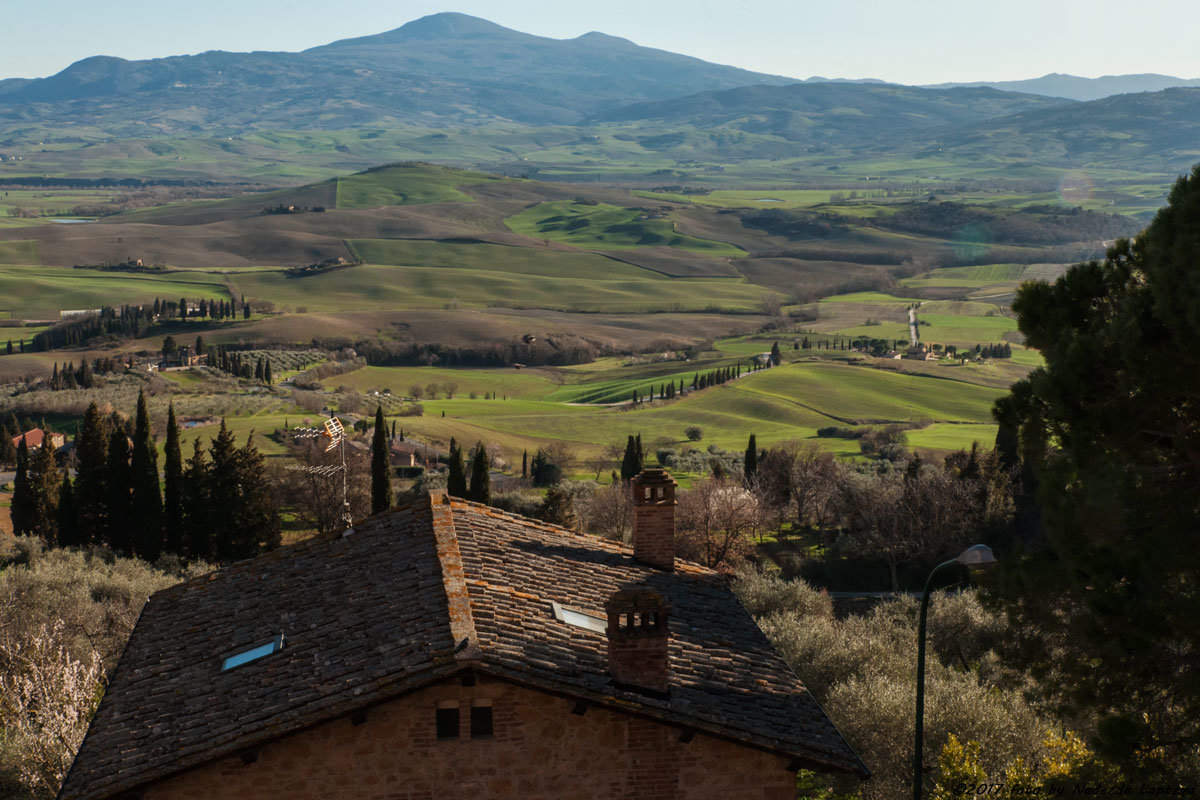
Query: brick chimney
point(654, 518)
point(637, 638)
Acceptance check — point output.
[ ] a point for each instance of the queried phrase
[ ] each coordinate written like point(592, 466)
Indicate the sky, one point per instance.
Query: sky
point(905, 41)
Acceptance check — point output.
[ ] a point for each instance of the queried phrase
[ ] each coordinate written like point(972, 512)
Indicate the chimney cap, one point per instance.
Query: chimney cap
point(654, 475)
point(636, 598)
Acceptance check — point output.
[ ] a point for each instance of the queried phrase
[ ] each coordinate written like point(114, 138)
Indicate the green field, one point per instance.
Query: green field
point(513, 383)
point(55, 288)
point(601, 226)
point(371, 286)
point(787, 402)
point(20, 251)
point(408, 184)
point(493, 258)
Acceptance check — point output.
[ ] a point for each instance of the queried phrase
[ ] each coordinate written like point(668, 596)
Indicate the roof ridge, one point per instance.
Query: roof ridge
point(454, 583)
point(691, 567)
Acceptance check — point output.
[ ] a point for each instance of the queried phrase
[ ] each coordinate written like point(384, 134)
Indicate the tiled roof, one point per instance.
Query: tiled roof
point(411, 596)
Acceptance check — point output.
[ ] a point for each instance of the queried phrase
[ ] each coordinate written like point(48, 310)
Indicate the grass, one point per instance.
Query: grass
point(607, 227)
point(861, 394)
point(404, 185)
point(493, 258)
point(49, 289)
point(521, 384)
point(952, 437)
point(18, 251)
point(370, 287)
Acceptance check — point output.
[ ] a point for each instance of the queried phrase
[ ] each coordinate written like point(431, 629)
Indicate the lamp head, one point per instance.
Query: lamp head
point(977, 556)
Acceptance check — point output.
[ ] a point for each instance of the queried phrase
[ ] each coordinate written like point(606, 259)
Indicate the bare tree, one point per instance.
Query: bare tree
point(561, 454)
point(317, 498)
point(432, 390)
point(608, 512)
point(920, 515)
point(449, 388)
point(715, 520)
point(800, 477)
point(416, 391)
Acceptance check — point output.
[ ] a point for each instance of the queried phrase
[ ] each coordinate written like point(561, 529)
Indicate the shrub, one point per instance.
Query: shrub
point(693, 433)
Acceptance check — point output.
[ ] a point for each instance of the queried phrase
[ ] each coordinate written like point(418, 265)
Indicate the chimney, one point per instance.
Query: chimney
point(654, 518)
point(638, 637)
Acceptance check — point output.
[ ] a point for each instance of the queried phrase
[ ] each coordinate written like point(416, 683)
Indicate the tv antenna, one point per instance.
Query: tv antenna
point(336, 434)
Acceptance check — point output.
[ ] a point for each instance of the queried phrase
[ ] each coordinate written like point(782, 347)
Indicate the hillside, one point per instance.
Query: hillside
point(445, 67)
point(415, 235)
point(1123, 131)
point(854, 115)
point(1074, 87)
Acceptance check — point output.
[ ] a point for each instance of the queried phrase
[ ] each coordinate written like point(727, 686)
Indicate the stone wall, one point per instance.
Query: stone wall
point(539, 749)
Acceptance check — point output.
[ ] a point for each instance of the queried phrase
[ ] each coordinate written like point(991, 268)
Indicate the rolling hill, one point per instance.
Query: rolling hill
point(445, 67)
point(853, 114)
point(1074, 87)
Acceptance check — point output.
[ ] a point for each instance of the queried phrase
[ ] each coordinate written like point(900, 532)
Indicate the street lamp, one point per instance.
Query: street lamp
point(977, 556)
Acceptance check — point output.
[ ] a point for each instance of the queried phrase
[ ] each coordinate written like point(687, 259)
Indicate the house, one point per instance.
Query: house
point(407, 453)
point(35, 438)
point(183, 357)
point(446, 649)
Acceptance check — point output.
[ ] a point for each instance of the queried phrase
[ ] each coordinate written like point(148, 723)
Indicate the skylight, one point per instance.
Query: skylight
point(253, 654)
point(579, 619)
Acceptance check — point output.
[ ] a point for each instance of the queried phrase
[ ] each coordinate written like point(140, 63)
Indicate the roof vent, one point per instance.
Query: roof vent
point(638, 636)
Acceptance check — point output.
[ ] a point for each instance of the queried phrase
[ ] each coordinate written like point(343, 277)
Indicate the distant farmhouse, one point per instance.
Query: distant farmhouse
point(183, 357)
point(36, 438)
point(449, 650)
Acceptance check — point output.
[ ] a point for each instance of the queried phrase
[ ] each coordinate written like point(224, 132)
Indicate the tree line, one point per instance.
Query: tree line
point(218, 506)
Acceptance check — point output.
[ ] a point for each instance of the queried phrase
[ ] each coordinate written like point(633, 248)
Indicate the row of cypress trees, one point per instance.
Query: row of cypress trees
point(480, 488)
point(219, 507)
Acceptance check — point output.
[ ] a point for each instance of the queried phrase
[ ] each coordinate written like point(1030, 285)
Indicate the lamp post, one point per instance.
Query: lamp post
point(975, 557)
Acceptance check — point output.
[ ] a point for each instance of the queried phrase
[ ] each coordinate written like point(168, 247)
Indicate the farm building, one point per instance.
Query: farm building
point(407, 453)
point(183, 357)
point(449, 650)
point(35, 438)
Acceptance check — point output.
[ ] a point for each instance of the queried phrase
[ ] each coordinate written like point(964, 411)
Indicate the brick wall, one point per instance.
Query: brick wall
point(539, 750)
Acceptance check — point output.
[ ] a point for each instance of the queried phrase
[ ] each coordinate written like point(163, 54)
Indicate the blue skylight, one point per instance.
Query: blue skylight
point(253, 654)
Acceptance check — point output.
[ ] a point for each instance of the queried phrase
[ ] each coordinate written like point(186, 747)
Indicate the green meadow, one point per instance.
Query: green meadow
point(600, 226)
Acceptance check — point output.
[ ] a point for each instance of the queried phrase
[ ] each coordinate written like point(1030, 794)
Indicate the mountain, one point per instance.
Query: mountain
point(444, 68)
point(851, 114)
point(1132, 131)
point(1074, 87)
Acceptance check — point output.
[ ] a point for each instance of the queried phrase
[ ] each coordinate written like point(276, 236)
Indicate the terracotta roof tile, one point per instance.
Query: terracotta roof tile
point(411, 596)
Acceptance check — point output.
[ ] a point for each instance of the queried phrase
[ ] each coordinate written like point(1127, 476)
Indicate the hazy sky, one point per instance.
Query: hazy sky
point(907, 41)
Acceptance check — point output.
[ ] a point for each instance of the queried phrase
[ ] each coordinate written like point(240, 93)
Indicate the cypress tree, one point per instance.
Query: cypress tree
point(776, 356)
point(751, 461)
point(381, 483)
point(173, 525)
point(258, 370)
point(223, 496)
point(68, 524)
point(8, 453)
point(197, 534)
point(183, 308)
point(119, 533)
point(481, 481)
point(21, 506)
point(641, 452)
point(456, 479)
point(524, 463)
point(91, 478)
point(255, 517)
point(631, 462)
point(42, 479)
point(146, 504)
